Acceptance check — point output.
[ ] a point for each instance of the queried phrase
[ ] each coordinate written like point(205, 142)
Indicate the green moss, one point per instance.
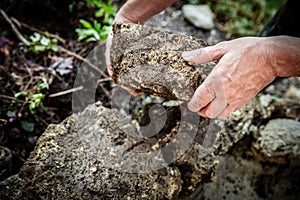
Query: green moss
point(243, 17)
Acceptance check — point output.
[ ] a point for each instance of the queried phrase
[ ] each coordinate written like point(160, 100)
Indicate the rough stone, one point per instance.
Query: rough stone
point(148, 60)
point(280, 137)
point(199, 15)
point(245, 172)
point(75, 159)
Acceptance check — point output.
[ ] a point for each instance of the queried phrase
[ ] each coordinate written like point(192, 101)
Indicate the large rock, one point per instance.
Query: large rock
point(82, 157)
point(148, 60)
point(89, 156)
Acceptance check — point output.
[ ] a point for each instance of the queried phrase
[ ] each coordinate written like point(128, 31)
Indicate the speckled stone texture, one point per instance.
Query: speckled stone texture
point(71, 159)
point(148, 60)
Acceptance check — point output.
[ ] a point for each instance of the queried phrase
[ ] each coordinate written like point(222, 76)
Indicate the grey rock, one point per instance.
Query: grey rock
point(280, 137)
point(88, 156)
point(199, 15)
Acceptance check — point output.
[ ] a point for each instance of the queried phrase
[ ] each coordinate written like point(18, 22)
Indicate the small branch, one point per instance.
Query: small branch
point(66, 92)
point(11, 98)
point(104, 80)
point(79, 57)
point(14, 28)
point(62, 49)
point(37, 30)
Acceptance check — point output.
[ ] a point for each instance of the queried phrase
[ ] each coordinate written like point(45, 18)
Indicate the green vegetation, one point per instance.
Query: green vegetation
point(92, 32)
point(99, 29)
point(242, 17)
point(34, 100)
point(40, 43)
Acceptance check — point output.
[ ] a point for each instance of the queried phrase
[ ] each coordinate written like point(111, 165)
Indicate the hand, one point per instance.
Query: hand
point(243, 70)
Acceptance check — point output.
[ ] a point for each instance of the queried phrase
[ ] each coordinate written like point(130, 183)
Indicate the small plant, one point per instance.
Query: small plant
point(92, 32)
point(40, 43)
point(99, 29)
point(105, 10)
point(34, 100)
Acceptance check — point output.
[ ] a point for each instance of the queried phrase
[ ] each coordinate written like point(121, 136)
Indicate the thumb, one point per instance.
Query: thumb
point(204, 55)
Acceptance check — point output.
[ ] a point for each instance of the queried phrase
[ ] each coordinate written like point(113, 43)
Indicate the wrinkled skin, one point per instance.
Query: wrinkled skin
point(246, 65)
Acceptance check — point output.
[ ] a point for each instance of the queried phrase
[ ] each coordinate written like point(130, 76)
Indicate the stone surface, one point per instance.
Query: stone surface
point(247, 173)
point(148, 60)
point(73, 159)
point(280, 137)
point(199, 15)
point(78, 158)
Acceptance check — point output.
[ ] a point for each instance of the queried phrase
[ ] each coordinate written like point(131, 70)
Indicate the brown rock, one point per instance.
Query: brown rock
point(148, 60)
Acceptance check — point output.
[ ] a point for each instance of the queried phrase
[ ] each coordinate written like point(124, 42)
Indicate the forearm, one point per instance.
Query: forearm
point(139, 11)
point(284, 55)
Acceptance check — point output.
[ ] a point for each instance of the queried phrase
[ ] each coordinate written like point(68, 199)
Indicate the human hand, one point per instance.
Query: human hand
point(243, 70)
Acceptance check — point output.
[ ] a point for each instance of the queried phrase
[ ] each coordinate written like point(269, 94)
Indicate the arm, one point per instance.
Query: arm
point(139, 11)
point(245, 67)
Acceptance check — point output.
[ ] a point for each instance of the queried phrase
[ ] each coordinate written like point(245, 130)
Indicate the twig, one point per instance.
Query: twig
point(19, 35)
point(62, 49)
point(79, 57)
point(66, 92)
point(41, 119)
point(11, 98)
point(105, 91)
point(104, 80)
point(37, 30)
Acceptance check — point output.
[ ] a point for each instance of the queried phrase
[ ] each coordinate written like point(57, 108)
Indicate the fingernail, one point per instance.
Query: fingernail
point(187, 55)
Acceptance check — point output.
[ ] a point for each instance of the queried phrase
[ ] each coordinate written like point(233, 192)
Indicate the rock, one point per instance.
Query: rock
point(90, 154)
point(280, 137)
point(148, 60)
point(243, 172)
point(200, 16)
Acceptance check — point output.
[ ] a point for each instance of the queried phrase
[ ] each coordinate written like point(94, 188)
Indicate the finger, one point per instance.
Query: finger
point(201, 98)
point(204, 55)
point(214, 109)
point(107, 53)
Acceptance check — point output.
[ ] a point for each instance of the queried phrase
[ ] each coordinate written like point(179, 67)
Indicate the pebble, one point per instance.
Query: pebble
point(200, 16)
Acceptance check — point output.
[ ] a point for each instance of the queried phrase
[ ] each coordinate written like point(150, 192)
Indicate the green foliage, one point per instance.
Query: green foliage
point(243, 17)
point(89, 32)
point(105, 13)
point(40, 43)
point(105, 10)
point(34, 100)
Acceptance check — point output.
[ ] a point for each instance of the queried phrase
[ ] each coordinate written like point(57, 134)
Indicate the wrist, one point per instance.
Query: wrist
point(120, 17)
point(283, 55)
